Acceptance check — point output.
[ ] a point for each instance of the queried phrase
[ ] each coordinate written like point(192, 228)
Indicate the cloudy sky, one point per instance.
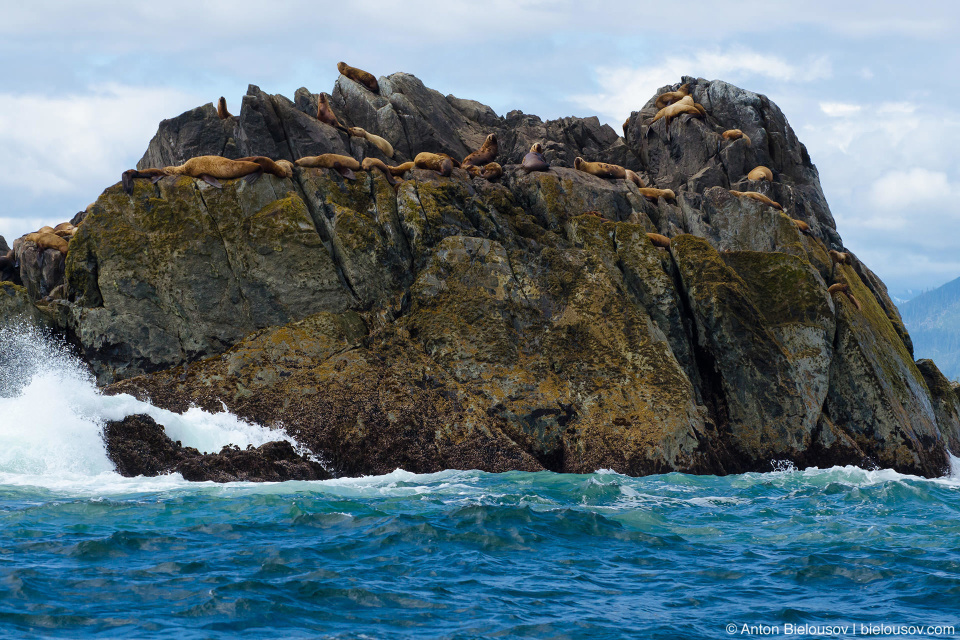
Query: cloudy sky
point(870, 87)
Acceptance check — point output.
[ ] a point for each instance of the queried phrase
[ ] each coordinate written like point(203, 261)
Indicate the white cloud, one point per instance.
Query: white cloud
point(625, 89)
point(916, 187)
point(839, 109)
point(66, 143)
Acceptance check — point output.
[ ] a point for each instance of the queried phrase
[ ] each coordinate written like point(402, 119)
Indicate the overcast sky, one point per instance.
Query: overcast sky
point(870, 87)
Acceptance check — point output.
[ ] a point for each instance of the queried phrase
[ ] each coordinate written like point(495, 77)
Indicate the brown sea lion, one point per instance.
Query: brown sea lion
point(212, 169)
point(486, 153)
point(658, 240)
point(633, 177)
point(845, 289)
point(222, 109)
point(758, 197)
point(401, 168)
point(380, 143)
point(802, 226)
point(439, 162)
point(45, 229)
point(359, 75)
point(490, 171)
point(668, 98)
point(344, 165)
point(761, 173)
point(686, 105)
point(326, 115)
point(626, 125)
point(65, 230)
point(736, 134)
point(369, 164)
point(279, 168)
point(534, 160)
point(651, 192)
point(600, 169)
point(839, 257)
point(130, 175)
point(47, 241)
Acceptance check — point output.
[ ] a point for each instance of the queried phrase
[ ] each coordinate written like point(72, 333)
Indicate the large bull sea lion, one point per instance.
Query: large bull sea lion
point(359, 75)
point(486, 153)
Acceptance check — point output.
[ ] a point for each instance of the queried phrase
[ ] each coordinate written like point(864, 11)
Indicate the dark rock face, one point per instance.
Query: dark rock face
point(137, 445)
point(458, 323)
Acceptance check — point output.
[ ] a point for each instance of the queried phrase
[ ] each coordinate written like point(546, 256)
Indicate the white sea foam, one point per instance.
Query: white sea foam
point(52, 415)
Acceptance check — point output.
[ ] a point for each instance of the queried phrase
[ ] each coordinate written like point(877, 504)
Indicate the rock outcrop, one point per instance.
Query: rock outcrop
point(525, 324)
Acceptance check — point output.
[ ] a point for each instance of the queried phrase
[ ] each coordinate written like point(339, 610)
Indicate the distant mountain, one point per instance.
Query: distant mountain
point(933, 320)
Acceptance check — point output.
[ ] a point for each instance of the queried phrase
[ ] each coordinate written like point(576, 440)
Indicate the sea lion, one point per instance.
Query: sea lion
point(344, 165)
point(658, 240)
point(370, 164)
point(47, 241)
point(326, 115)
point(736, 134)
point(486, 153)
point(359, 75)
point(761, 173)
point(128, 176)
point(534, 160)
point(222, 109)
point(758, 197)
point(439, 162)
point(686, 105)
point(600, 169)
point(668, 98)
point(839, 257)
point(45, 229)
point(401, 168)
point(651, 192)
point(633, 177)
point(802, 226)
point(65, 230)
point(845, 290)
point(375, 140)
point(279, 168)
point(490, 171)
point(211, 169)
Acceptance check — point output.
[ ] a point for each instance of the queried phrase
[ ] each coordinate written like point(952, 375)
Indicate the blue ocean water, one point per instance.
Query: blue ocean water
point(85, 553)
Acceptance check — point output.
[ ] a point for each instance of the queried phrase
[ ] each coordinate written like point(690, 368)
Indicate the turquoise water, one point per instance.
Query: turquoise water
point(85, 553)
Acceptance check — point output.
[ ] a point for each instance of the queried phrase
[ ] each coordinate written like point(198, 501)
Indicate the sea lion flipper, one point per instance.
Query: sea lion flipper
point(346, 172)
point(210, 180)
point(250, 178)
point(155, 179)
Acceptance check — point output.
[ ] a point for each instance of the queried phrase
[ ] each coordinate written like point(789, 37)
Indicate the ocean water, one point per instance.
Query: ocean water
point(85, 553)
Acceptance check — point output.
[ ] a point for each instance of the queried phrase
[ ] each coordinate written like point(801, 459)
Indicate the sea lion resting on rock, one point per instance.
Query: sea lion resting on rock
point(279, 168)
point(222, 112)
point(758, 197)
point(211, 169)
point(668, 98)
point(370, 164)
point(486, 153)
point(344, 165)
point(600, 169)
point(736, 134)
point(326, 115)
point(534, 160)
point(490, 171)
point(377, 141)
point(46, 240)
point(761, 173)
point(651, 192)
point(128, 176)
point(401, 168)
point(658, 240)
point(844, 289)
point(359, 75)
point(839, 257)
point(686, 105)
point(65, 230)
point(439, 162)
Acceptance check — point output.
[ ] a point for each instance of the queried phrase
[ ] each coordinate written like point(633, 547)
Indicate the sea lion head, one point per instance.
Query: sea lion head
point(286, 167)
point(491, 140)
point(578, 163)
point(536, 148)
point(357, 132)
point(342, 67)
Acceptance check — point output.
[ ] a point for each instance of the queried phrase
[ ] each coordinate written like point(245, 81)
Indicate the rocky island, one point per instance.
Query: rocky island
point(524, 323)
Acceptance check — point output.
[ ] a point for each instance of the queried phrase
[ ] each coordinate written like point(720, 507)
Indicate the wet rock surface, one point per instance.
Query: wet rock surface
point(528, 323)
point(137, 445)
